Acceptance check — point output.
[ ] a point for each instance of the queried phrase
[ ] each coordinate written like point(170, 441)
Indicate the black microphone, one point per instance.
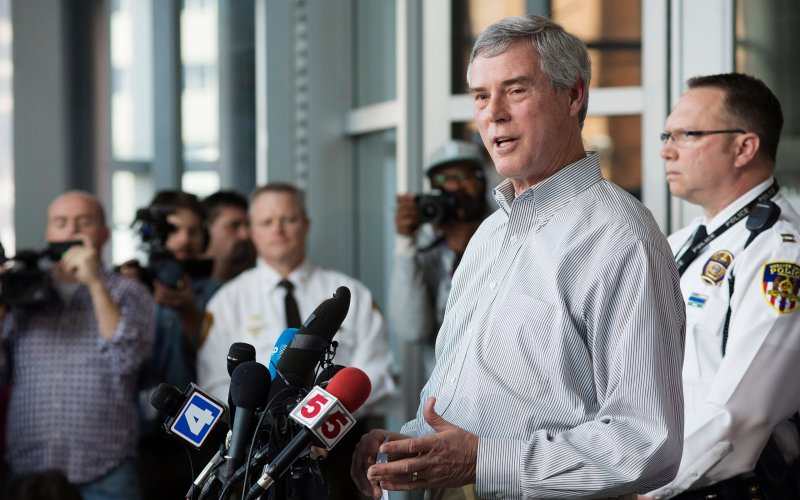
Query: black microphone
point(327, 374)
point(250, 383)
point(326, 418)
point(238, 353)
point(314, 336)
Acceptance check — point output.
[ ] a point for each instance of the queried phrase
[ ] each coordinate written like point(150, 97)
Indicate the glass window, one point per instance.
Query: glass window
point(611, 30)
point(374, 66)
point(613, 33)
point(6, 145)
point(468, 19)
point(131, 80)
point(767, 33)
point(200, 96)
point(129, 192)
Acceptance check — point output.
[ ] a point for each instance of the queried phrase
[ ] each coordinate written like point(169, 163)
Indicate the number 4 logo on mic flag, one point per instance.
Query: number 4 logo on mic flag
point(196, 419)
point(324, 415)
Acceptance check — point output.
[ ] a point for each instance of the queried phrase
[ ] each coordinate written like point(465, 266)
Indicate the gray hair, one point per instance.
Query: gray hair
point(563, 57)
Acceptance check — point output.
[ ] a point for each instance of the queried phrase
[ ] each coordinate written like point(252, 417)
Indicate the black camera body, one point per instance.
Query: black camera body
point(154, 229)
point(437, 206)
point(26, 283)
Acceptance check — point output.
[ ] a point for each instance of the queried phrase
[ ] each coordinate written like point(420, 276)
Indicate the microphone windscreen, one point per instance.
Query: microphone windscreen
point(327, 374)
point(167, 399)
point(250, 384)
point(238, 353)
point(351, 387)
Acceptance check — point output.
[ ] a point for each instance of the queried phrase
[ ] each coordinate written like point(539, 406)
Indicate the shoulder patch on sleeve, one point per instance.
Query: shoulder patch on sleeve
point(781, 285)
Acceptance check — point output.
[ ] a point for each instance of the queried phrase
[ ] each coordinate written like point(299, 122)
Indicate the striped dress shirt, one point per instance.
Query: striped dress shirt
point(562, 344)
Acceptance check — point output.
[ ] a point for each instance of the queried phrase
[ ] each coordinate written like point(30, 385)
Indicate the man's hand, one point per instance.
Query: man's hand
point(364, 456)
point(81, 263)
point(406, 219)
point(181, 299)
point(447, 459)
point(178, 298)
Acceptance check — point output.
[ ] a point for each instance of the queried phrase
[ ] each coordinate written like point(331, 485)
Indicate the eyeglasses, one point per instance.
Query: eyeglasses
point(683, 136)
point(458, 176)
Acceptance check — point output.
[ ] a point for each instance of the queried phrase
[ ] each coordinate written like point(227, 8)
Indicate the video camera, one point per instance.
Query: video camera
point(154, 229)
point(26, 283)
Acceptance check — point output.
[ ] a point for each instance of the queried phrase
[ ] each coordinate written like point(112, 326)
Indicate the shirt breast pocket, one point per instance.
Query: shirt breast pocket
point(704, 327)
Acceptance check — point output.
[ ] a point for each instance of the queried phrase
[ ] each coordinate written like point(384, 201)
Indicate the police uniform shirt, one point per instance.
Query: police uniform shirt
point(733, 403)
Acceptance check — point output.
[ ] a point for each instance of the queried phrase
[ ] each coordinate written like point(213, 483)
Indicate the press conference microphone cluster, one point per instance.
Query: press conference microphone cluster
point(326, 416)
point(268, 425)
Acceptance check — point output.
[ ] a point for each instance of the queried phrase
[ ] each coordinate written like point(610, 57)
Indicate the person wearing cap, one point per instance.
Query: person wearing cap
point(426, 257)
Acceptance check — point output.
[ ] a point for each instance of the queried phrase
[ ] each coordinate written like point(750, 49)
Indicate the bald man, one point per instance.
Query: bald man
point(74, 362)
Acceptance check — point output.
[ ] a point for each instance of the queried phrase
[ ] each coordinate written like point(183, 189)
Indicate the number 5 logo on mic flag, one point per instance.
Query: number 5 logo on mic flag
point(198, 416)
point(324, 415)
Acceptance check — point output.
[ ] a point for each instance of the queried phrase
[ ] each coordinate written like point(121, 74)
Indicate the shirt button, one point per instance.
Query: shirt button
point(493, 285)
point(452, 380)
point(513, 238)
point(469, 331)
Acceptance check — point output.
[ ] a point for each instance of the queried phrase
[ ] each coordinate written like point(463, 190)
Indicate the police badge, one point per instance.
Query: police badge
point(781, 285)
point(716, 267)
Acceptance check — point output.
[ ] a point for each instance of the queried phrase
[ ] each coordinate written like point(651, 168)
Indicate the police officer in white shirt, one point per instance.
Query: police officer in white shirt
point(254, 308)
point(740, 266)
point(251, 308)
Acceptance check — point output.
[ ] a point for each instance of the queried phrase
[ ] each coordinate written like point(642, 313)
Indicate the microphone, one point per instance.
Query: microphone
point(326, 417)
point(192, 415)
point(238, 353)
point(250, 384)
point(280, 345)
point(325, 376)
point(315, 335)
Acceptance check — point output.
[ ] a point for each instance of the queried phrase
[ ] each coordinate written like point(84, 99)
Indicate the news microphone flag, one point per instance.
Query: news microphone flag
point(280, 345)
point(197, 417)
point(323, 414)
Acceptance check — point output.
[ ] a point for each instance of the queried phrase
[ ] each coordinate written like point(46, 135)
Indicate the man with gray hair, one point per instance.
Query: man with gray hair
point(558, 367)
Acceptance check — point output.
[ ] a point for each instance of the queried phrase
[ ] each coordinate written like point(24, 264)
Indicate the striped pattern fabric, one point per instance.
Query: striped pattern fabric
point(562, 344)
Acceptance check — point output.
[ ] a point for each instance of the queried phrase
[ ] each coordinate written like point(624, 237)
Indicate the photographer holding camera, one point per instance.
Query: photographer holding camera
point(173, 226)
point(74, 361)
point(425, 261)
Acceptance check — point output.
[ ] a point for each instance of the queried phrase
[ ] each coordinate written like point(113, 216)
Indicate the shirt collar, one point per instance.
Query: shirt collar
point(555, 191)
point(271, 277)
point(737, 205)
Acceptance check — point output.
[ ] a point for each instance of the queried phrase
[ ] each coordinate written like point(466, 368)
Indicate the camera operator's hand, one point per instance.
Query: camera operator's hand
point(406, 219)
point(80, 263)
point(182, 300)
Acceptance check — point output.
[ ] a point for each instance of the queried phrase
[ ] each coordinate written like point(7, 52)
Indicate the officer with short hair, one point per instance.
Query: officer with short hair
point(740, 268)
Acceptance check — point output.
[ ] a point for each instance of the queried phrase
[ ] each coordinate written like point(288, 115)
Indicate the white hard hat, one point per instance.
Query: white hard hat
point(455, 152)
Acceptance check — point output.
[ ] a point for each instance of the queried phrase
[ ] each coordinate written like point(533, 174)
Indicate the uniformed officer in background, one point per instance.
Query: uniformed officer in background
point(740, 268)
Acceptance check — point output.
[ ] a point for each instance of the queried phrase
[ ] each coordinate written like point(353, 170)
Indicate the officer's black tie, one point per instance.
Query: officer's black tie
point(292, 311)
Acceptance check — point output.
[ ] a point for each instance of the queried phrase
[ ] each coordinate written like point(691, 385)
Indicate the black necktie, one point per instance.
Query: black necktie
point(292, 311)
point(690, 254)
